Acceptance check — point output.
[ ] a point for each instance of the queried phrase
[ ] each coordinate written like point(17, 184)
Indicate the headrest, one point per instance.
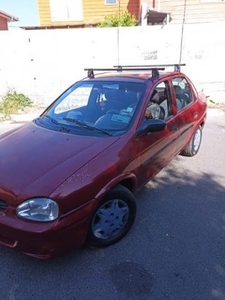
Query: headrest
point(155, 97)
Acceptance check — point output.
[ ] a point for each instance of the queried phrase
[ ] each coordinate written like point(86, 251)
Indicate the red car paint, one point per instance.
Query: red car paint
point(77, 169)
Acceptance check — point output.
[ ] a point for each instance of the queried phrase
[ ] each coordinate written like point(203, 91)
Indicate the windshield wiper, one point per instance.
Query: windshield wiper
point(57, 123)
point(84, 125)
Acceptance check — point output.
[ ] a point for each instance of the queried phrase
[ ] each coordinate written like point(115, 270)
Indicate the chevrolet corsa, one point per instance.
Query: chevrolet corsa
point(70, 176)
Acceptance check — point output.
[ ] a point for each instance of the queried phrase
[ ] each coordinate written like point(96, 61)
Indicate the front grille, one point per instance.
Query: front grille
point(3, 204)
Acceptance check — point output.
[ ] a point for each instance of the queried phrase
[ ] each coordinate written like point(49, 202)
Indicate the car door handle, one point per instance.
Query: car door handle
point(195, 115)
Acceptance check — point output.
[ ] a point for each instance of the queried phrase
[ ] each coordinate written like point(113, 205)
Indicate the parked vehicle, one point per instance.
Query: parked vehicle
point(70, 176)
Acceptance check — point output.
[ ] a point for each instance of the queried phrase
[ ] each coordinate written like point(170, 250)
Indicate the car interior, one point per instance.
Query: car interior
point(182, 92)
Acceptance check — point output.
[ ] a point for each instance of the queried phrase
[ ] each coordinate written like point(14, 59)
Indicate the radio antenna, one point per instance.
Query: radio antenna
point(182, 31)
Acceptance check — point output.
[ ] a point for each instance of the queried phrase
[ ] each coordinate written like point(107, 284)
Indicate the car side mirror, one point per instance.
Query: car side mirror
point(150, 125)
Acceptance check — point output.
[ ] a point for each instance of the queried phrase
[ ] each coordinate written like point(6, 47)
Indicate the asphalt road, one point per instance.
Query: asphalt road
point(175, 251)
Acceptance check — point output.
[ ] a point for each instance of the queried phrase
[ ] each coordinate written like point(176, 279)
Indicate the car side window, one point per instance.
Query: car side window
point(159, 105)
point(183, 92)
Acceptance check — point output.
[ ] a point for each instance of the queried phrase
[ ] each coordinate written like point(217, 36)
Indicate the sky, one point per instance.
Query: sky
point(24, 10)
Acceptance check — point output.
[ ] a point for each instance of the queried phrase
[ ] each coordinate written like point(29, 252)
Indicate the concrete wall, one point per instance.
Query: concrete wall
point(42, 63)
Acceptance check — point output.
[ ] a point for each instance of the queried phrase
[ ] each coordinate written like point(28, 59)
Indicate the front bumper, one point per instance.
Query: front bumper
point(44, 240)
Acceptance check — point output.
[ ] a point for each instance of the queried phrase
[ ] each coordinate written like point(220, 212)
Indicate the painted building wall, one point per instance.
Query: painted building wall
point(43, 63)
point(3, 24)
point(196, 11)
point(93, 11)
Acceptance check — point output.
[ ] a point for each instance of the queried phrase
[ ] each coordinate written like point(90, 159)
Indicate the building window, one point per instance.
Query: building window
point(110, 2)
point(66, 10)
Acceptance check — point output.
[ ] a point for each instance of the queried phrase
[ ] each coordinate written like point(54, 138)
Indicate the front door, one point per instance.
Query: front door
point(156, 149)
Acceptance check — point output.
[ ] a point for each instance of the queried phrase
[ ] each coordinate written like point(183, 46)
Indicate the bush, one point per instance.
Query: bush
point(123, 19)
point(12, 102)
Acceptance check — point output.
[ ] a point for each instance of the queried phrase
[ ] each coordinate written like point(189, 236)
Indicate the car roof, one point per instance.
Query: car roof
point(142, 77)
point(132, 73)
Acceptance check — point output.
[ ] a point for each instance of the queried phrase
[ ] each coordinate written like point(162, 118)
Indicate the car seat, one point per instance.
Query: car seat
point(112, 100)
point(130, 99)
point(179, 104)
point(155, 110)
point(162, 113)
point(164, 106)
point(181, 98)
point(155, 97)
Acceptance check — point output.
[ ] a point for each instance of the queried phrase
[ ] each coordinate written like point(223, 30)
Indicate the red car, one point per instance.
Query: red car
point(70, 176)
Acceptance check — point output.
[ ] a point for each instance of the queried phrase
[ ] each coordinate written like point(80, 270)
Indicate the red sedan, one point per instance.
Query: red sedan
point(70, 176)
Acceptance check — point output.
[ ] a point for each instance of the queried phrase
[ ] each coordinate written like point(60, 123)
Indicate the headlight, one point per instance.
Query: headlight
point(38, 209)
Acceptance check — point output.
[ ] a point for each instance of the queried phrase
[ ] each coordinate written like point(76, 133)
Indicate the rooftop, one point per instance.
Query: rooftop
point(8, 17)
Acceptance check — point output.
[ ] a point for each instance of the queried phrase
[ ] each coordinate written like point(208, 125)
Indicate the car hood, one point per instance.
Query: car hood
point(35, 160)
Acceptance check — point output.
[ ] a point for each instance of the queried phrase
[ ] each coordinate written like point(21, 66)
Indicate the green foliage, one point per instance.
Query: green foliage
point(211, 101)
point(122, 19)
point(12, 102)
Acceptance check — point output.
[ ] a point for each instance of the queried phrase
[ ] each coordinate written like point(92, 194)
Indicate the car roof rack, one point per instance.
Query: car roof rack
point(154, 68)
point(176, 66)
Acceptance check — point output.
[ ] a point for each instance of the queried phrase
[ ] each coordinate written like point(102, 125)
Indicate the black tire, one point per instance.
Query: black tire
point(194, 145)
point(112, 219)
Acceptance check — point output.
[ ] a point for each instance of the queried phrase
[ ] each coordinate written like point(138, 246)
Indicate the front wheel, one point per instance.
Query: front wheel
point(194, 145)
point(113, 218)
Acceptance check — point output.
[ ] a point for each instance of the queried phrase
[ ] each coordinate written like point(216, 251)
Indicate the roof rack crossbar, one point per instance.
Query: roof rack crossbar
point(176, 66)
point(155, 70)
point(121, 68)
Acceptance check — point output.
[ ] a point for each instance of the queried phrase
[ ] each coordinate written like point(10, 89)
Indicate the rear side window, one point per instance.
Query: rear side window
point(183, 92)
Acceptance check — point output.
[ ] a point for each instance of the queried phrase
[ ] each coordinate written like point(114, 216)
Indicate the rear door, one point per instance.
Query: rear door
point(186, 115)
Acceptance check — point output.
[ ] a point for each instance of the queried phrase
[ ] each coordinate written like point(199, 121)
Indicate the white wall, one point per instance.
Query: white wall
point(42, 63)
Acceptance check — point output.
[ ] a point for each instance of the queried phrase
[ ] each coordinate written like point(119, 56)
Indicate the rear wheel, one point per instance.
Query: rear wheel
point(194, 145)
point(113, 218)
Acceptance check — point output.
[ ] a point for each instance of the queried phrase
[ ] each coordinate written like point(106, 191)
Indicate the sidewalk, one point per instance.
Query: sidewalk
point(215, 112)
point(18, 120)
point(26, 117)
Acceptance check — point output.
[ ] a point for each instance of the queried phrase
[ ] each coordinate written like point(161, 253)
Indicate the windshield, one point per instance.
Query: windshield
point(96, 107)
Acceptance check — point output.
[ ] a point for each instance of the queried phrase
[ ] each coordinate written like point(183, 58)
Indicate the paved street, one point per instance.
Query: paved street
point(175, 251)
